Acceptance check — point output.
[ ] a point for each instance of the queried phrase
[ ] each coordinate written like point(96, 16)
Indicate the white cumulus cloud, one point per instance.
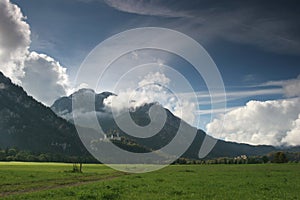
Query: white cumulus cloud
point(153, 87)
point(40, 75)
point(273, 122)
point(49, 74)
point(151, 78)
point(14, 40)
point(293, 136)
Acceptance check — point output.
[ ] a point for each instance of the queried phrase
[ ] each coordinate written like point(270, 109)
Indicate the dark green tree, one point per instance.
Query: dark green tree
point(265, 159)
point(280, 157)
point(12, 152)
point(2, 155)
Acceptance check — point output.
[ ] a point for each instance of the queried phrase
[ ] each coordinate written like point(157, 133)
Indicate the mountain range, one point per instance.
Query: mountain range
point(140, 115)
point(29, 125)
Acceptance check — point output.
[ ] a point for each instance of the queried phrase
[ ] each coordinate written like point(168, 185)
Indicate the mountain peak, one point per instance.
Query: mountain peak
point(89, 91)
point(63, 105)
point(83, 91)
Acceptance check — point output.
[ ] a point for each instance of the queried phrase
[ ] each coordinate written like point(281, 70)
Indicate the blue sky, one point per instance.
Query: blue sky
point(255, 45)
point(68, 30)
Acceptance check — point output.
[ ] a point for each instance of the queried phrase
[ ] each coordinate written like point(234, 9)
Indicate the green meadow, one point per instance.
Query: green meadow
point(56, 181)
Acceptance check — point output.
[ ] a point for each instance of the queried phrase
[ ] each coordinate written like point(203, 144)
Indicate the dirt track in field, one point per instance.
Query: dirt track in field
point(79, 183)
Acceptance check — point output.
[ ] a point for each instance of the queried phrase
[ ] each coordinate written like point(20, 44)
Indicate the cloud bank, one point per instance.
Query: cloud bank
point(40, 75)
point(275, 122)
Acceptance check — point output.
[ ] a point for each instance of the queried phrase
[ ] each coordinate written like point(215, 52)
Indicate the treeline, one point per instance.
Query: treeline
point(14, 154)
point(273, 157)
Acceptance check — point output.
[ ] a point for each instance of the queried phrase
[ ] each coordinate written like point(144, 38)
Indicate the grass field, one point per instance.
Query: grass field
point(55, 181)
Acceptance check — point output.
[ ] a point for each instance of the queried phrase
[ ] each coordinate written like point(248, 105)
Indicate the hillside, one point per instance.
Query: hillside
point(29, 125)
point(63, 107)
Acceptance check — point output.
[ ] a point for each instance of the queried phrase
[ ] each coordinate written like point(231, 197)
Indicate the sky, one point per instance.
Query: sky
point(255, 46)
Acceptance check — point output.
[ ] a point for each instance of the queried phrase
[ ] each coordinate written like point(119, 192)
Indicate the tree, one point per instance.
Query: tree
point(22, 156)
point(31, 158)
point(2, 155)
point(280, 157)
point(12, 152)
point(43, 157)
point(265, 159)
point(77, 169)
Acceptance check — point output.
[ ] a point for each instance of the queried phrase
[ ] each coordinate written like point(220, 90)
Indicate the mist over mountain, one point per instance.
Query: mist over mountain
point(63, 105)
point(29, 125)
point(140, 115)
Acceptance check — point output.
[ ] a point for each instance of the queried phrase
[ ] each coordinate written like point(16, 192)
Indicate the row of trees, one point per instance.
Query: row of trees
point(274, 157)
point(13, 154)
